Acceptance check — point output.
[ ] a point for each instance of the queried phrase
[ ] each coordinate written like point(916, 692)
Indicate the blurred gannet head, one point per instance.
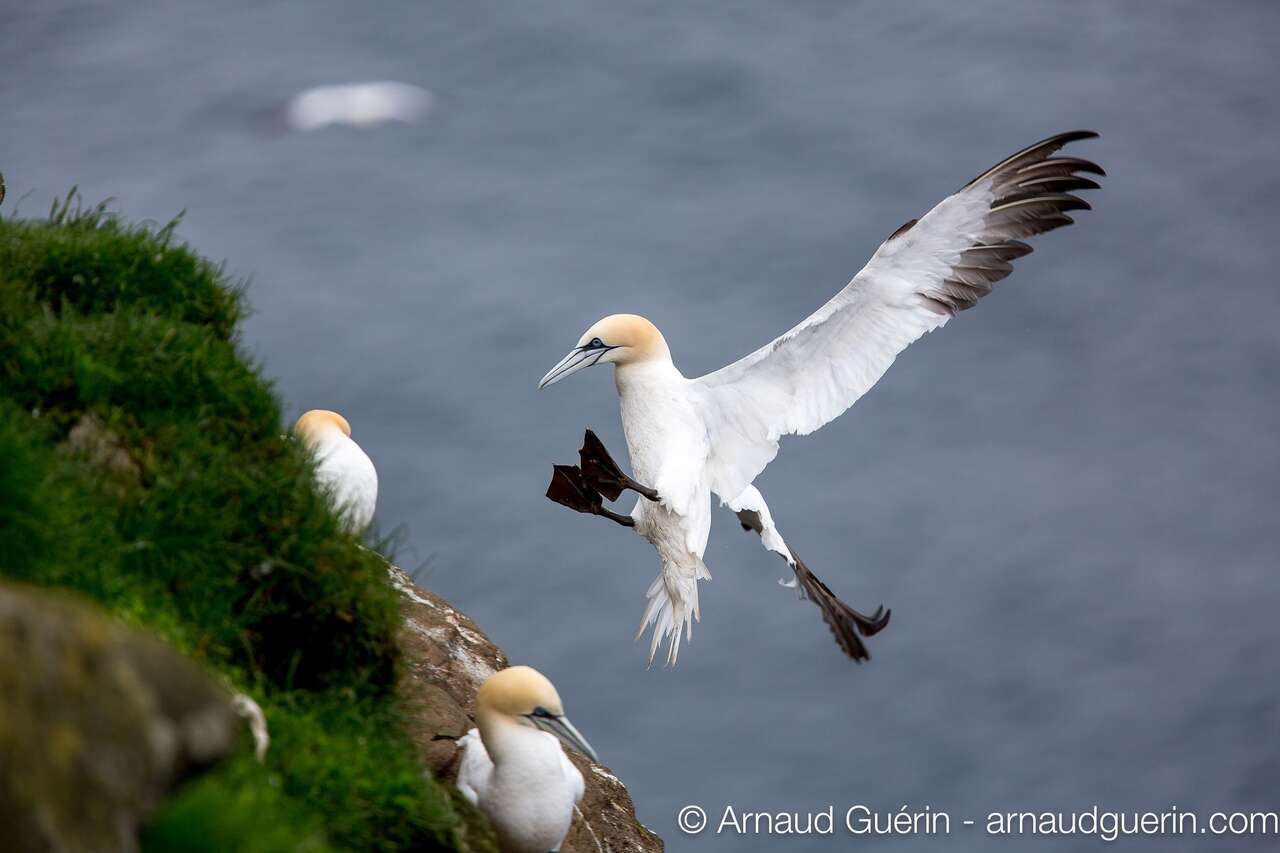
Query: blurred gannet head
point(319, 426)
point(618, 339)
point(522, 696)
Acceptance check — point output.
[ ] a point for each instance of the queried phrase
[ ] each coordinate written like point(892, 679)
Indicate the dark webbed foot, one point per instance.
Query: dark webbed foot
point(601, 472)
point(845, 622)
point(585, 488)
point(568, 488)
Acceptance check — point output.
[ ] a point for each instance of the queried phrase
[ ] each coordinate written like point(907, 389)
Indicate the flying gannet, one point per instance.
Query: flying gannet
point(689, 437)
point(358, 105)
point(513, 768)
point(342, 468)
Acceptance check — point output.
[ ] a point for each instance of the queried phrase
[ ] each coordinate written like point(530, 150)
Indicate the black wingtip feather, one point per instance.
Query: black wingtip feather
point(1053, 201)
point(1059, 184)
point(1035, 152)
point(1076, 135)
point(1031, 194)
point(1071, 164)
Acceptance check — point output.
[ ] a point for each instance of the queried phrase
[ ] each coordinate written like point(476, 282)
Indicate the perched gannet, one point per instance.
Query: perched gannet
point(716, 433)
point(358, 105)
point(513, 768)
point(342, 467)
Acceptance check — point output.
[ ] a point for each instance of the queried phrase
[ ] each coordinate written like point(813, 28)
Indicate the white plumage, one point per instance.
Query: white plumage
point(343, 469)
point(358, 105)
point(689, 438)
point(513, 768)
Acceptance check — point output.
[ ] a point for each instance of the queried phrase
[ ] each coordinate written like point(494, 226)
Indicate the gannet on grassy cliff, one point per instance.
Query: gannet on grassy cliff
point(513, 768)
point(689, 438)
point(342, 468)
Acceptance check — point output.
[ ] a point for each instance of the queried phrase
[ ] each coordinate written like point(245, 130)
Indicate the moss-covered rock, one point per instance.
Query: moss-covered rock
point(98, 723)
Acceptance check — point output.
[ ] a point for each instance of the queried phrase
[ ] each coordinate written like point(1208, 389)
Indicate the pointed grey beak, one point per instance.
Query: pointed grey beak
point(578, 358)
point(564, 730)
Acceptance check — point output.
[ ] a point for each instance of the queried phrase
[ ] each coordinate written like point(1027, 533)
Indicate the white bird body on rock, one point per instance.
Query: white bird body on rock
point(343, 469)
point(689, 438)
point(513, 768)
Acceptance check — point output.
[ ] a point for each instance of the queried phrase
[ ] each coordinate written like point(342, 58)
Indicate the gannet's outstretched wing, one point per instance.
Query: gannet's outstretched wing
point(922, 275)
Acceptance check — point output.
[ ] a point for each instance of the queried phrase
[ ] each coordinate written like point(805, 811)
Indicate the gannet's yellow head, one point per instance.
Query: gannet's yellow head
point(618, 339)
point(525, 697)
point(314, 425)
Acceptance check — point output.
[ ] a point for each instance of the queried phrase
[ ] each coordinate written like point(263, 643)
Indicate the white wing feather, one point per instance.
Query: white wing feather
point(913, 284)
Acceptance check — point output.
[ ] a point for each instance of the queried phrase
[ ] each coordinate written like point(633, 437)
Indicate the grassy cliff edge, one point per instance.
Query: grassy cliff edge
point(145, 469)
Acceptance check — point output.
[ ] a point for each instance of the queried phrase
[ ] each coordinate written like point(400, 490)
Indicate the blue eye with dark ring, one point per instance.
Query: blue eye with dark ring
point(595, 343)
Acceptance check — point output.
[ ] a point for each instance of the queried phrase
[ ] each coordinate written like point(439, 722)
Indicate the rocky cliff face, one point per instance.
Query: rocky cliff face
point(446, 658)
point(99, 723)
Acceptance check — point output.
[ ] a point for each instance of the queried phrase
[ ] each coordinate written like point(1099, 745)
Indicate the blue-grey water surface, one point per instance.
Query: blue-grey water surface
point(1068, 496)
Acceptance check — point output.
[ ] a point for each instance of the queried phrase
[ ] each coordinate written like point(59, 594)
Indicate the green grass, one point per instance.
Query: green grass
point(205, 527)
